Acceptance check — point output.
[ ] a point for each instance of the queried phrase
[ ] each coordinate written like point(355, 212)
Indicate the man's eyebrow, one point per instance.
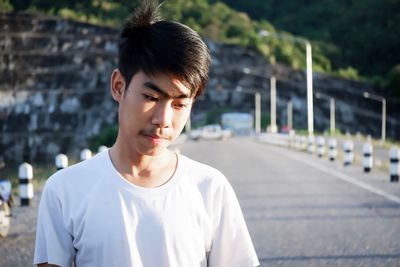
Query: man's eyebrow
point(154, 87)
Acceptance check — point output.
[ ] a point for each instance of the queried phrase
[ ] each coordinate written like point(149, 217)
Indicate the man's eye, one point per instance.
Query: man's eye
point(180, 105)
point(151, 98)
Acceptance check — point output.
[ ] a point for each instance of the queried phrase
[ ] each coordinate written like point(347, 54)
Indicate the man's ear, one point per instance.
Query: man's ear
point(117, 85)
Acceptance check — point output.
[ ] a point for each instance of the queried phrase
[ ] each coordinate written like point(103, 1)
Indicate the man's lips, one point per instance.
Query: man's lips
point(154, 137)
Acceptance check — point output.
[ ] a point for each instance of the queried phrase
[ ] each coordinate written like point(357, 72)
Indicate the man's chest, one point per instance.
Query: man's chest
point(176, 226)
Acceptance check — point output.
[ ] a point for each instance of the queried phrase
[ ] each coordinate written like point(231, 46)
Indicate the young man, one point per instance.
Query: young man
point(139, 204)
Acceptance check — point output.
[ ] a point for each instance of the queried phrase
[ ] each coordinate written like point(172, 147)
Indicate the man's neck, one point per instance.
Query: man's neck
point(143, 170)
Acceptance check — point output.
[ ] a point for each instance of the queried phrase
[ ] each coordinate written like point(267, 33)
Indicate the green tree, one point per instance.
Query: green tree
point(362, 34)
point(393, 79)
point(6, 6)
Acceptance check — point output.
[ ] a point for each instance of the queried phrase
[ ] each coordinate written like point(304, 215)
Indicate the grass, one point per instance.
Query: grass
point(41, 172)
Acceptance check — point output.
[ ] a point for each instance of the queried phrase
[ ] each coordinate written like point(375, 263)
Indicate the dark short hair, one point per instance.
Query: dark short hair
point(151, 45)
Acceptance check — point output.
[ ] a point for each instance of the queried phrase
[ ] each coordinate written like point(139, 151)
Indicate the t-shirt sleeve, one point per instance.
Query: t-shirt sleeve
point(231, 244)
point(53, 240)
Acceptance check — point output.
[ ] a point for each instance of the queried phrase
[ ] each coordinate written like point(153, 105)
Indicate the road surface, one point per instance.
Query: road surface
point(305, 211)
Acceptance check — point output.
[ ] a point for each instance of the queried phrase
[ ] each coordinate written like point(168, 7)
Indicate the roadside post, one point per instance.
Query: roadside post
point(367, 153)
point(102, 149)
point(85, 154)
point(348, 152)
point(297, 142)
point(25, 174)
point(321, 146)
point(332, 143)
point(394, 164)
point(61, 161)
point(311, 144)
point(303, 143)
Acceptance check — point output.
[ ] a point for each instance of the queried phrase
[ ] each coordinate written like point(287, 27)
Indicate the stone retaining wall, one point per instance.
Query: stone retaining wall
point(54, 88)
point(53, 85)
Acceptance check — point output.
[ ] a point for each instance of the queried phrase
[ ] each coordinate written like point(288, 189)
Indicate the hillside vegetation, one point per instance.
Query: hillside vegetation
point(357, 40)
point(365, 35)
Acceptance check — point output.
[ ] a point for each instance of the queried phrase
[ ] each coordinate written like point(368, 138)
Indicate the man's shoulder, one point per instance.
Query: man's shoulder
point(197, 165)
point(78, 174)
point(201, 170)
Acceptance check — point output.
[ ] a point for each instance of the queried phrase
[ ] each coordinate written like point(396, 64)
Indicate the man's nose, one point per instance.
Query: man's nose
point(163, 115)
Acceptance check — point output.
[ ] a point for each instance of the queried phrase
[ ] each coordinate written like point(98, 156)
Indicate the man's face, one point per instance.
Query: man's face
point(152, 111)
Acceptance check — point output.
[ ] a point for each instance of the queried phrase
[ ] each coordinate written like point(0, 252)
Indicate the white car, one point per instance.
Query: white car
point(212, 131)
point(195, 134)
point(226, 133)
point(209, 132)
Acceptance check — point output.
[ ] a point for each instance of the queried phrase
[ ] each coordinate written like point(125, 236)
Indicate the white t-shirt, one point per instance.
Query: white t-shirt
point(91, 215)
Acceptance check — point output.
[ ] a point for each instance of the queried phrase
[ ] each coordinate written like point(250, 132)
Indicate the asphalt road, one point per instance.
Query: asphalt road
point(301, 210)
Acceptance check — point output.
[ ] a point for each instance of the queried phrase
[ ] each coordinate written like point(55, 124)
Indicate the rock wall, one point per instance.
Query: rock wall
point(54, 88)
point(53, 85)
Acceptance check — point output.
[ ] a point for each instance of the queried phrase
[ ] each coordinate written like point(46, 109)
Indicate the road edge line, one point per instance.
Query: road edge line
point(350, 179)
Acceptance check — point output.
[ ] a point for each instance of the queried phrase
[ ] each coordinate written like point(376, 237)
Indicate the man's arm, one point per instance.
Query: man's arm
point(231, 245)
point(53, 246)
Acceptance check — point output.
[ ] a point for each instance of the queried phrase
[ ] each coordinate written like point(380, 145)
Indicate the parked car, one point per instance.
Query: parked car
point(226, 133)
point(212, 131)
point(195, 134)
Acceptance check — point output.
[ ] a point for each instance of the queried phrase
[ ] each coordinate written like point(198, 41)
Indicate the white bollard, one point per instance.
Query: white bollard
point(310, 144)
point(296, 142)
point(394, 155)
point(291, 141)
point(368, 160)
point(321, 146)
point(102, 149)
point(348, 152)
point(86, 154)
point(300, 143)
point(61, 161)
point(303, 143)
point(25, 174)
point(332, 143)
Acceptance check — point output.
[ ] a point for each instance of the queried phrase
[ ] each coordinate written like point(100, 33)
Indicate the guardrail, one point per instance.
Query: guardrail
point(304, 144)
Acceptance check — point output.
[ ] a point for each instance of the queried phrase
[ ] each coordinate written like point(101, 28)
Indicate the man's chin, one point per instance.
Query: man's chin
point(156, 151)
point(154, 148)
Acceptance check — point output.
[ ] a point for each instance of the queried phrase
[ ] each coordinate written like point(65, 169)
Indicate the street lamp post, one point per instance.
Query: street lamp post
point(383, 100)
point(332, 115)
point(290, 115)
point(257, 107)
point(310, 112)
point(273, 126)
point(331, 110)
